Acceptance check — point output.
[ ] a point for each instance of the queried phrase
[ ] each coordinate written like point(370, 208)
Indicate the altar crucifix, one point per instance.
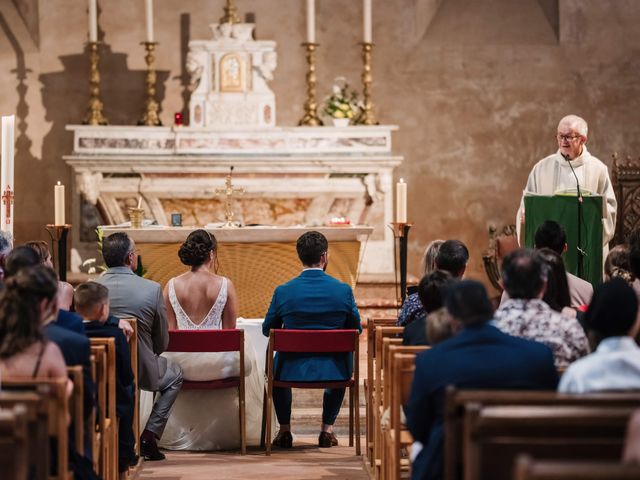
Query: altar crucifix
point(7, 201)
point(229, 192)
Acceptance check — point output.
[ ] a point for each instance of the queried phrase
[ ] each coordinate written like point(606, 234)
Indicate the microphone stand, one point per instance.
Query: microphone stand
point(581, 252)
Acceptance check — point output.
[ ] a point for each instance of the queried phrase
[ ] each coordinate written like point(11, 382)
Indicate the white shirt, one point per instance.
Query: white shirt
point(553, 174)
point(615, 365)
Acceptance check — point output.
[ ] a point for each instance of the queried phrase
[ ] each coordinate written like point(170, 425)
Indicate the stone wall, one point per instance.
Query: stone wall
point(477, 88)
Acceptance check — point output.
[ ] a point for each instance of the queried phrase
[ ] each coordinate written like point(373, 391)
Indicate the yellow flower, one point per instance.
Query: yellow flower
point(338, 114)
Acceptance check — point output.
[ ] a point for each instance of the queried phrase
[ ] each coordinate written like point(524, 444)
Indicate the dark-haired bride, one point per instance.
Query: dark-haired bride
point(199, 299)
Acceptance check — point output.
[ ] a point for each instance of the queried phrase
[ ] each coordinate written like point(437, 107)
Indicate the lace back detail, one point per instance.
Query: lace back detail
point(213, 319)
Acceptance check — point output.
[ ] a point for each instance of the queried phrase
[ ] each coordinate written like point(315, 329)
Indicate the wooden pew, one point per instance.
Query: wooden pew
point(76, 406)
point(529, 469)
point(14, 443)
point(104, 351)
point(37, 417)
point(372, 324)
point(133, 350)
point(495, 435)
point(456, 400)
point(55, 393)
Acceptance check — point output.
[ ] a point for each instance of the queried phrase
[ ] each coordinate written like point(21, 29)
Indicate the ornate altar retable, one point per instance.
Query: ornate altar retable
point(255, 259)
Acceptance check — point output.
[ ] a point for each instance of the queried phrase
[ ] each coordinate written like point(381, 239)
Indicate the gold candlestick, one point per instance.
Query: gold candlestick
point(150, 116)
point(310, 117)
point(229, 192)
point(230, 13)
point(94, 114)
point(367, 117)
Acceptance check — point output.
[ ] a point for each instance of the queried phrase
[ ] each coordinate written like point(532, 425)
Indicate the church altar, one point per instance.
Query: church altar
point(255, 259)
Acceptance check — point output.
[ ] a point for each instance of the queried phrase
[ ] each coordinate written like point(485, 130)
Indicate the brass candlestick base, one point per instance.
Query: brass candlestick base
point(310, 117)
point(94, 114)
point(59, 234)
point(401, 233)
point(367, 117)
point(136, 215)
point(150, 116)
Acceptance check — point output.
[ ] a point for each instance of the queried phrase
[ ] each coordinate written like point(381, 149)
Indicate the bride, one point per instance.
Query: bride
point(200, 299)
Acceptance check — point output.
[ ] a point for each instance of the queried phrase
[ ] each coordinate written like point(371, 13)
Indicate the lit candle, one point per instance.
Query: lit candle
point(6, 173)
point(401, 202)
point(139, 202)
point(58, 197)
point(93, 20)
point(149, 10)
point(311, 21)
point(366, 6)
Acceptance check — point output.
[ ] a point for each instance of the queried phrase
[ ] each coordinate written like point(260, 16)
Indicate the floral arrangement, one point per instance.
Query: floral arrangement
point(343, 102)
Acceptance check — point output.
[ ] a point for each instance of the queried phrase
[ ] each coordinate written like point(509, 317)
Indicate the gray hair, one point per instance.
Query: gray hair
point(575, 123)
point(6, 242)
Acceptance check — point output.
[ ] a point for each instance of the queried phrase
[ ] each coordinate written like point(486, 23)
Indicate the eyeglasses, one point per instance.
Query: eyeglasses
point(568, 138)
point(136, 251)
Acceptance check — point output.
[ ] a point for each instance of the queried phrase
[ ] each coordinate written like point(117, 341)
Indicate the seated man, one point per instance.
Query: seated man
point(316, 301)
point(526, 315)
point(615, 364)
point(479, 356)
point(92, 302)
point(133, 296)
point(453, 257)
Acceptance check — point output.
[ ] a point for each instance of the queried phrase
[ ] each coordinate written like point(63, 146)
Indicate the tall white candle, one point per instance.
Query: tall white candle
point(6, 172)
point(311, 21)
point(367, 20)
point(401, 202)
point(93, 20)
point(149, 9)
point(58, 201)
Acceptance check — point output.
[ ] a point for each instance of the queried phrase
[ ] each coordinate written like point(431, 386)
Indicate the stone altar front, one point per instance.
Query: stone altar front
point(255, 259)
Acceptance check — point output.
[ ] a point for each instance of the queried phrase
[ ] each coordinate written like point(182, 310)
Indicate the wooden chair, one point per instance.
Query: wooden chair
point(14, 443)
point(456, 401)
point(226, 340)
point(55, 393)
point(104, 351)
point(495, 435)
point(529, 469)
point(500, 245)
point(133, 351)
point(37, 418)
point(316, 341)
point(76, 406)
point(372, 324)
point(625, 178)
point(397, 437)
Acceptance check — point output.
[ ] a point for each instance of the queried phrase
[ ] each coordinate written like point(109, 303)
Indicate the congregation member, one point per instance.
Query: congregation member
point(558, 172)
point(556, 293)
point(615, 361)
point(412, 307)
point(618, 264)
point(453, 257)
point(6, 244)
point(526, 315)
point(65, 290)
point(478, 356)
point(92, 302)
point(430, 293)
point(133, 296)
point(313, 300)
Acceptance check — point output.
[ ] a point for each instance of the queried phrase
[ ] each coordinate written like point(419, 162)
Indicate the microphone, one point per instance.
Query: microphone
point(566, 157)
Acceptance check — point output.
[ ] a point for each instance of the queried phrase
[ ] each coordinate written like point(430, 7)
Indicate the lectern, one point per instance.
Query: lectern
point(564, 210)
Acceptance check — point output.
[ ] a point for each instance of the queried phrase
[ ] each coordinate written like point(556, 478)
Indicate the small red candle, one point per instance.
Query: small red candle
point(177, 119)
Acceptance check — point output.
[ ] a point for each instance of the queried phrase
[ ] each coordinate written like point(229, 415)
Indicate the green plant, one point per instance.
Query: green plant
point(343, 102)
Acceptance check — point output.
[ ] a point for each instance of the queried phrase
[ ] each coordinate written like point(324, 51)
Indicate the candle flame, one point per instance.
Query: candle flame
point(58, 182)
point(402, 180)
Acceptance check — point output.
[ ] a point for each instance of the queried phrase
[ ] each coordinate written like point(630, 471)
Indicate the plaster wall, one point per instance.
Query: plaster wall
point(477, 88)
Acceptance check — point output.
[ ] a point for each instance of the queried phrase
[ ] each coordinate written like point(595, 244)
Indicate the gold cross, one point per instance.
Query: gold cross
point(7, 200)
point(229, 192)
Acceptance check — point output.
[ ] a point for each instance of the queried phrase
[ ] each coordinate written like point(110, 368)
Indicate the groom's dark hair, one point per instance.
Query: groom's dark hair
point(115, 249)
point(310, 247)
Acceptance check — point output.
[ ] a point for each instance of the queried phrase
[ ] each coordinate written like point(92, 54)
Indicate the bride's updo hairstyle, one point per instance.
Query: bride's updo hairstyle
point(196, 248)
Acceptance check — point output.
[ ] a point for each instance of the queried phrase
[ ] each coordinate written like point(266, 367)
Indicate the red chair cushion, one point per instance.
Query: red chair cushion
point(212, 384)
point(226, 340)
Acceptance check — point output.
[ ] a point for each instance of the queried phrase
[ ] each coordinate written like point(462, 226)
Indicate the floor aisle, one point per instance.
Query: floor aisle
point(304, 461)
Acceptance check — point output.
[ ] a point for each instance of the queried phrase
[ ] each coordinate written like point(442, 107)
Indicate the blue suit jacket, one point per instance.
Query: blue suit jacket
point(312, 301)
point(70, 321)
point(477, 357)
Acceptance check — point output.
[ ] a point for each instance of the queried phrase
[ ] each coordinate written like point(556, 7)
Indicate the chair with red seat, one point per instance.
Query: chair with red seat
point(320, 342)
point(225, 340)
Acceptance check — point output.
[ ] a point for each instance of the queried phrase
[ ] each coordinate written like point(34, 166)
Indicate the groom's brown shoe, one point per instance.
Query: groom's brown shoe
point(327, 439)
point(283, 440)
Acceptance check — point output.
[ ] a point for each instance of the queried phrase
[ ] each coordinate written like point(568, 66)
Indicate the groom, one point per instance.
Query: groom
point(315, 301)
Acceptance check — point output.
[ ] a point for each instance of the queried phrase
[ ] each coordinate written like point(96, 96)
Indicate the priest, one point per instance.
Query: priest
point(573, 162)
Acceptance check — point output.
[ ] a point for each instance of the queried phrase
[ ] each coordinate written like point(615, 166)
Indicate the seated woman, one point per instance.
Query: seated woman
point(65, 290)
point(28, 299)
point(556, 295)
point(196, 300)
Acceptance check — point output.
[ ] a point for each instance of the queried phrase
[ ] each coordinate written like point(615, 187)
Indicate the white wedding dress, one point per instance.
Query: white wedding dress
point(208, 420)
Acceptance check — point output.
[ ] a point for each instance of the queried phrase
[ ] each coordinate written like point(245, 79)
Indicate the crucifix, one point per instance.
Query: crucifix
point(7, 201)
point(229, 192)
